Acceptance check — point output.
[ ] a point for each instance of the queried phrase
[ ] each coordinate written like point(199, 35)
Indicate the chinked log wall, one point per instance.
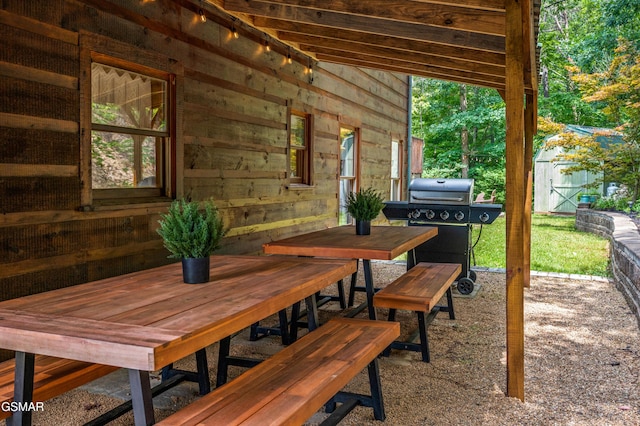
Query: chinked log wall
point(233, 100)
point(624, 250)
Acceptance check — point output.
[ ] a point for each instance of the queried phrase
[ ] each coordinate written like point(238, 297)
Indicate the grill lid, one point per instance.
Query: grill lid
point(441, 191)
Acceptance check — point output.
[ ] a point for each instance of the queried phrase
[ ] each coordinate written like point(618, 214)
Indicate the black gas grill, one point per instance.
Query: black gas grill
point(447, 204)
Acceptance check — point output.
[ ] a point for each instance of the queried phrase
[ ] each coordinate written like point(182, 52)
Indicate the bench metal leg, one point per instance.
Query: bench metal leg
point(392, 317)
point(23, 387)
point(349, 400)
point(376, 390)
point(424, 343)
point(452, 314)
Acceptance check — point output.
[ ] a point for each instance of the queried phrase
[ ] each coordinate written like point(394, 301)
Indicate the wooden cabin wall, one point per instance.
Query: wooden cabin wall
point(231, 140)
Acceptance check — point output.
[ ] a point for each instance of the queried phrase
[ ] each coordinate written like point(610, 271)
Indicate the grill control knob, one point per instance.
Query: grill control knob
point(430, 214)
point(459, 215)
point(415, 214)
point(444, 215)
point(484, 217)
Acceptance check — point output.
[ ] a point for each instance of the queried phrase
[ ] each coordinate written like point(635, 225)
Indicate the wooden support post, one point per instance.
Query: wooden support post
point(529, 130)
point(515, 196)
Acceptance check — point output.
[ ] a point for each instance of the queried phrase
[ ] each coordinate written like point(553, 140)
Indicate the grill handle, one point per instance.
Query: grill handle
point(459, 199)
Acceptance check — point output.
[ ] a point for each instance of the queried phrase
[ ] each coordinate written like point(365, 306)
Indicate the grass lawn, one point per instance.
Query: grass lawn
point(556, 246)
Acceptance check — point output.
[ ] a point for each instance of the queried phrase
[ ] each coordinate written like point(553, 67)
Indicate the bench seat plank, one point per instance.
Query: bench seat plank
point(420, 288)
point(292, 385)
point(53, 376)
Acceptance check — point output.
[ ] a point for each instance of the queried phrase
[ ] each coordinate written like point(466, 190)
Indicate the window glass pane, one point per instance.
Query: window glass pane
point(293, 163)
point(126, 99)
point(346, 187)
point(395, 160)
point(122, 161)
point(298, 130)
point(347, 152)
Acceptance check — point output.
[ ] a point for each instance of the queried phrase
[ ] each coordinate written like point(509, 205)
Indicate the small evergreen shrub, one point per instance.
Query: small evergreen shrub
point(365, 205)
point(189, 232)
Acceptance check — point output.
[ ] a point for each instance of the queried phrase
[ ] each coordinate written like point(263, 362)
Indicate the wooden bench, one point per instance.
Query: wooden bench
point(292, 385)
point(419, 290)
point(52, 377)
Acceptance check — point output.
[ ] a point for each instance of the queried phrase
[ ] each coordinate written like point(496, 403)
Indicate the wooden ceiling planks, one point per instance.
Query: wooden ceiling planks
point(455, 40)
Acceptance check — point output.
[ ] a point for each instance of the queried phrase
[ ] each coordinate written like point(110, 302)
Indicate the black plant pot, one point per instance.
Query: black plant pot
point(195, 270)
point(363, 227)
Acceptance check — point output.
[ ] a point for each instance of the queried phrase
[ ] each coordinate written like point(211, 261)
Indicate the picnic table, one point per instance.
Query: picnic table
point(146, 320)
point(384, 243)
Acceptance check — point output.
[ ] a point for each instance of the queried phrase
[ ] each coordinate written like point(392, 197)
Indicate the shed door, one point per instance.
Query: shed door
point(564, 189)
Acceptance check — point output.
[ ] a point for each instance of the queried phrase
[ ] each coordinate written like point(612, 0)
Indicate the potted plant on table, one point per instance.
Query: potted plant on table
point(364, 206)
point(192, 234)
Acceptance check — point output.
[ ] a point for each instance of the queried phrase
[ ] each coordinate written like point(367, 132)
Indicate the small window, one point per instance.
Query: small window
point(300, 154)
point(130, 131)
point(348, 170)
point(395, 171)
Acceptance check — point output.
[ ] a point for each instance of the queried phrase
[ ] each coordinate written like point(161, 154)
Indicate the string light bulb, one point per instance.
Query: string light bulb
point(234, 31)
point(203, 17)
point(289, 60)
point(267, 46)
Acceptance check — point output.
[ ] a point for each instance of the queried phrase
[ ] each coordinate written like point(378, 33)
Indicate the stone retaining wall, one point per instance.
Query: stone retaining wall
point(624, 249)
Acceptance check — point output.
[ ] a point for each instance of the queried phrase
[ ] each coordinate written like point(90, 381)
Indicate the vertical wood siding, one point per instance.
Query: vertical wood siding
point(232, 137)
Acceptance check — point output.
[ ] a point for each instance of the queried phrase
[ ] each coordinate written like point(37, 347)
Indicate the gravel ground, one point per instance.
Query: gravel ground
point(582, 361)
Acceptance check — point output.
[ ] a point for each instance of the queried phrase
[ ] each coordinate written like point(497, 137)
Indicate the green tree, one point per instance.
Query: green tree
point(617, 91)
point(440, 118)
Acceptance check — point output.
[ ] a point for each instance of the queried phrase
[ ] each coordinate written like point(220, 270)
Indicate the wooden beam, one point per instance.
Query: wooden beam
point(368, 24)
point(417, 69)
point(286, 29)
point(452, 16)
point(325, 45)
point(515, 196)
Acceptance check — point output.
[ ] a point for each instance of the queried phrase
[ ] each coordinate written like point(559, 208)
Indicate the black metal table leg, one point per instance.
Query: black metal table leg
point(312, 312)
point(368, 279)
point(23, 387)
point(141, 398)
point(223, 362)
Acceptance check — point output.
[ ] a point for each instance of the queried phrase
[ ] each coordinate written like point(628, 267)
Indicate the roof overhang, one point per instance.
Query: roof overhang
point(455, 40)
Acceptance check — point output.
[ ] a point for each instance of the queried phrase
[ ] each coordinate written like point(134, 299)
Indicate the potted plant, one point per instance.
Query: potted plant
point(192, 234)
point(364, 206)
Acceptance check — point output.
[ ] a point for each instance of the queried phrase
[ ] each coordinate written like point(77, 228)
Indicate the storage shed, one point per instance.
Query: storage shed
point(557, 192)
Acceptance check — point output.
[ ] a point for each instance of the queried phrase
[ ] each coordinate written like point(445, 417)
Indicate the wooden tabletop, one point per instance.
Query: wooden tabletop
point(148, 319)
point(384, 242)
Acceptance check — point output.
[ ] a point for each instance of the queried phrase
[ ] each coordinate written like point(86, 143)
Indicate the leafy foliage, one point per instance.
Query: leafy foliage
point(365, 205)
point(617, 89)
point(439, 119)
point(189, 232)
